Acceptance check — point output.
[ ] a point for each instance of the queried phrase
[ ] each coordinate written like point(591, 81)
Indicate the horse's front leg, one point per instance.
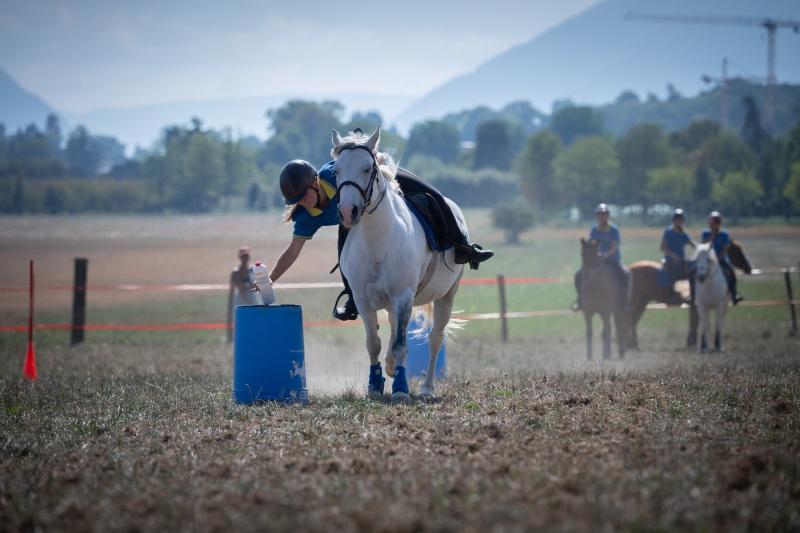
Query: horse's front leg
point(621, 325)
point(606, 317)
point(587, 317)
point(376, 380)
point(721, 308)
point(691, 337)
point(702, 329)
point(399, 344)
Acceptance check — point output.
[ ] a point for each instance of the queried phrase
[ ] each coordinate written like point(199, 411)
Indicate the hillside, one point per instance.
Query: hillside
point(594, 56)
point(18, 107)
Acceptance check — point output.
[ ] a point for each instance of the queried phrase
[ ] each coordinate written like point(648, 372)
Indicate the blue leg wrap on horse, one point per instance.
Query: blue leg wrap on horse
point(400, 384)
point(376, 379)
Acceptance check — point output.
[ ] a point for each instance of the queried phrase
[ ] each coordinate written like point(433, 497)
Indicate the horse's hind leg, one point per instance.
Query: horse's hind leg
point(620, 324)
point(606, 335)
point(691, 337)
point(399, 344)
point(721, 308)
point(442, 308)
point(587, 317)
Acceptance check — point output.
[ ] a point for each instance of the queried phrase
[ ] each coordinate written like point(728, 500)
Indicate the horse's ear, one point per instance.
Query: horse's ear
point(373, 140)
point(336, 139)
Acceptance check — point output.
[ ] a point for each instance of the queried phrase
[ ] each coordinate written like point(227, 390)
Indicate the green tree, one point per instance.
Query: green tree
point(737, 193)
point(535, 168)
point(694, 135)
point(434, 138)
point(513, 218)
point(83, 153)
point(54, 137)
point(673, 185)
point(302, 130)
point(493, 145)
point(726, 153)
point(792, 190)
point(587, 173)
point(573, 122)
point(54, 200)
point(642, 149)
point(18, 198)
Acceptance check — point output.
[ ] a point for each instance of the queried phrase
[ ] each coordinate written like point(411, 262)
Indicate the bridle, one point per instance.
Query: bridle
point(373, 178)
point(710, 265)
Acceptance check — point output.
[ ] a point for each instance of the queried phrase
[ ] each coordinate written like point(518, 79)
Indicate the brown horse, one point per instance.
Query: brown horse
point(599, 294)
point(738, 260)
point(645, 288)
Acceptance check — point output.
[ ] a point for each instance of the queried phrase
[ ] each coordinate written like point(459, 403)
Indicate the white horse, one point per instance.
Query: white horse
point(387, 261)
point(711, 292)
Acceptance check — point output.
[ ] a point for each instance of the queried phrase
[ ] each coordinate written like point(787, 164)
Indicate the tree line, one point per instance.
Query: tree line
point(479, 157)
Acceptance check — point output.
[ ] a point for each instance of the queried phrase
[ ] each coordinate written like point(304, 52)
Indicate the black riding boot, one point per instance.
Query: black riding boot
point(474, 254)
point(348, 311)
point(730, 277)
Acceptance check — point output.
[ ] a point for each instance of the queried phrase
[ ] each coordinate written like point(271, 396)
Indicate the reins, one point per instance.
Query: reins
point(373, 177)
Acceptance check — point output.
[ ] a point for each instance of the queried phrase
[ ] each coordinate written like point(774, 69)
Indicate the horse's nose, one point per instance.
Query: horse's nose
point(354, 214)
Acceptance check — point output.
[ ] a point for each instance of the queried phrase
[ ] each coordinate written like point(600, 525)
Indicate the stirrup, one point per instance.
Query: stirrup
point(348, 311)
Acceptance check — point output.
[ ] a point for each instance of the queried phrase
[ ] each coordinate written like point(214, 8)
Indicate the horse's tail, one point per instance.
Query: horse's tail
point(422, 315)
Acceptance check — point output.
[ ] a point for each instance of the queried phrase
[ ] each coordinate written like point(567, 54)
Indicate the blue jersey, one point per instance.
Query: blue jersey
point(675, 241)
point(308, 221)
point(721, 240)
point(604, 240)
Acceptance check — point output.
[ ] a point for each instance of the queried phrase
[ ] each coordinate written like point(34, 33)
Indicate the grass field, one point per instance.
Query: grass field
point(136, 430)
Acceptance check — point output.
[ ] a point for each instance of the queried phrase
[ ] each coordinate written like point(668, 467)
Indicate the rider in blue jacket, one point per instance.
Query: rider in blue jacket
point(608, 239)
point(673, 244)
point(721, 241)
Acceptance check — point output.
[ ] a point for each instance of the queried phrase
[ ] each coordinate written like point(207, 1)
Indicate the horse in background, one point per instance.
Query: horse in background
point(739, 260)
point(599, 295)
point(711, 293)
point(648, 285)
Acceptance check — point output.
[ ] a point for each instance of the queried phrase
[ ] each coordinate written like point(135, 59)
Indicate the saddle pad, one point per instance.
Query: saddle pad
point(417, 205)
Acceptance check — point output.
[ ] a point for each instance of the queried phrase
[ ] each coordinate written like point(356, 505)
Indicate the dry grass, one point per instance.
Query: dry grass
point(138, 438)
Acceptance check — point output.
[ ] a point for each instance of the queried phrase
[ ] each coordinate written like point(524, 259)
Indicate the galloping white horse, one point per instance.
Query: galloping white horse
point(711, 292)
point(387, 261)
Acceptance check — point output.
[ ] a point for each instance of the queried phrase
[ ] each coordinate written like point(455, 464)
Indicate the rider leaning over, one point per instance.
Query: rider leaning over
point(721, 241)
point(608, 241)
point(312, 202)
point(673, 244)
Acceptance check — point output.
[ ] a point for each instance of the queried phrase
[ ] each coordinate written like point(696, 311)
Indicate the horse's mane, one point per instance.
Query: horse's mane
point(712, 255)
point(385, 161)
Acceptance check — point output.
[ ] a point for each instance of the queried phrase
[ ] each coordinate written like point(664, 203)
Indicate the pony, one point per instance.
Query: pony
point(388, 263)
point(599, 295)
point(739, 260)
point(645, 288)
point(711, 292)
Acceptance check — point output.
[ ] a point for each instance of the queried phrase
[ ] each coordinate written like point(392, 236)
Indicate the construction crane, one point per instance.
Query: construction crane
point(769, 24)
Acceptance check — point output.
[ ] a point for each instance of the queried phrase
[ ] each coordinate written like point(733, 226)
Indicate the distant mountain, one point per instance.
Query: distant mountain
point(594, 56)
point(18, 107)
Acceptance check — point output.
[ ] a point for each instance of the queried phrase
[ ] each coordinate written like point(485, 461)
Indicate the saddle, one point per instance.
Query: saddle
point(430, 216)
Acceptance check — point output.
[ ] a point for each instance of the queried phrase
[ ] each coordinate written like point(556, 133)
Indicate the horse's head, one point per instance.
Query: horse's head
point(590, 256)
point(357, 174)
point(705, 259)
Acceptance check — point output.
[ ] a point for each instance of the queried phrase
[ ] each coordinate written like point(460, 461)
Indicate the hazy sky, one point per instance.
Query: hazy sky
point(85, 55)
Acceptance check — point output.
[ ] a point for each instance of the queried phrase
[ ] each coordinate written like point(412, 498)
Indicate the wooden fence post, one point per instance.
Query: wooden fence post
point(788, 278)
point(79, 300)
point(501, 285)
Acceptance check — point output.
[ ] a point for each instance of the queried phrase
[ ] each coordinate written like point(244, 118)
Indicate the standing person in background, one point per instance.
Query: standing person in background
point(240, 290)
point(673, 244)
point(608, 239)
point(721, 241)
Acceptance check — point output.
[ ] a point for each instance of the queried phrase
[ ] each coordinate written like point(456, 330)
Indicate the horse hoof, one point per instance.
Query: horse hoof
point(400, 397)
point(374, 395)
point(390, 366)
point(427, 397)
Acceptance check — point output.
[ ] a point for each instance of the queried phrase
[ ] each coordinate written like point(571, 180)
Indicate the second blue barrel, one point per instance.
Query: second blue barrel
point(269, 354)
point(417, 361)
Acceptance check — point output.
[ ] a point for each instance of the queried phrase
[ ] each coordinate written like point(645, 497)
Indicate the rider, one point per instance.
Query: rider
point(673, 243)
point(721, 241)
point(608, 240)
point(313, 202)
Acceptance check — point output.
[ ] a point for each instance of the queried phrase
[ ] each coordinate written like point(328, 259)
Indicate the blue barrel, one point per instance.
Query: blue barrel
point(417, 361)
point(268, 354)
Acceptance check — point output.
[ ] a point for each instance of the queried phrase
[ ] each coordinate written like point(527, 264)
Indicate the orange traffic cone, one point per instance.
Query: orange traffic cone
point(29, 371)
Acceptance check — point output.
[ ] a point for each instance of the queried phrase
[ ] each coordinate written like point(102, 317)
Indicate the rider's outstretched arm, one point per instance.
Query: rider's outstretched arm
point(287, 258)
